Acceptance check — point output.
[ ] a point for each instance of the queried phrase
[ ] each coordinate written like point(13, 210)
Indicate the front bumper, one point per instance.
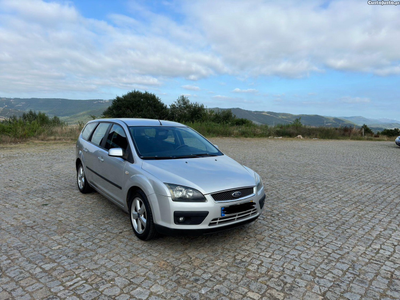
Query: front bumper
point(173, 231)
point(203, 217)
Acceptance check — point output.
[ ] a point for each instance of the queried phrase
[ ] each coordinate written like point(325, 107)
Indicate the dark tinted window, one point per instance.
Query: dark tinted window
point(88, 130)
point(99, 133)
point(116, 138)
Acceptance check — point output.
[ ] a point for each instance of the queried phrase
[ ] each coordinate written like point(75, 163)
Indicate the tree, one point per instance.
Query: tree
point(297, 123)
point(136, 104)
point(391, 132)
point(365, 130)
point(224, 116)
point(184, 111)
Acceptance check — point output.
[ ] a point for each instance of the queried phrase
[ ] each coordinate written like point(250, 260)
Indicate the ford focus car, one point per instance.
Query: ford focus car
point(169, 178)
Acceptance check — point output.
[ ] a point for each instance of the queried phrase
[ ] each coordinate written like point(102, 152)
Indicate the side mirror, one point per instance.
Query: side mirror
point(116, 152)
point(216, 146)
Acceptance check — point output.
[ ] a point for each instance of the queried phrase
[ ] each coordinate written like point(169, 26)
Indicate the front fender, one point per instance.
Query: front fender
point(152, 188)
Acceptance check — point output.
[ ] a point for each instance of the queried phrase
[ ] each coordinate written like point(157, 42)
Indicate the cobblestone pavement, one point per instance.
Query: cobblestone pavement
point(330, 230)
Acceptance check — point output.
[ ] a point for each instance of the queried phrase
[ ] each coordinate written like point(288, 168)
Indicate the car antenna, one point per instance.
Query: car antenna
point(160, 122)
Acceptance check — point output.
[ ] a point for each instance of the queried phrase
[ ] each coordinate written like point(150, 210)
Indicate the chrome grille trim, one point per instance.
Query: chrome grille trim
point(233, 217)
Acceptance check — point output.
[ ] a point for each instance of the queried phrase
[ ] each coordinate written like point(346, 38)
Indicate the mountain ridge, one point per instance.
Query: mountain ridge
point(74, 111)
point(71, 111)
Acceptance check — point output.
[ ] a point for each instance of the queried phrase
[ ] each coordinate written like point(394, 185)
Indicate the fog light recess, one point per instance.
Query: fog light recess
point(189, 217)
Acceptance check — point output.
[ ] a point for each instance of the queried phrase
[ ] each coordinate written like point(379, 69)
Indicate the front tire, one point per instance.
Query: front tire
point(141, 217)
point(81, 181)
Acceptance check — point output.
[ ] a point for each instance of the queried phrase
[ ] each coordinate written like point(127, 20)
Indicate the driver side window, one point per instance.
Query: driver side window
point(117, 138)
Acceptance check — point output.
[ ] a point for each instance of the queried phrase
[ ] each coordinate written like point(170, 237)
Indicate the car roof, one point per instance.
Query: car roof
point(142, 122)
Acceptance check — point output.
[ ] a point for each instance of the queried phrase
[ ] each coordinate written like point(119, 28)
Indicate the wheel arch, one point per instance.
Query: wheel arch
point(149, 231)
point(132, 190)
point(77, 163)
point(150, 196)
point(141, 183)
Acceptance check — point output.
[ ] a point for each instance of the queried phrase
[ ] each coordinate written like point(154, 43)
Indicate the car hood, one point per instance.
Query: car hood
point(207, 174)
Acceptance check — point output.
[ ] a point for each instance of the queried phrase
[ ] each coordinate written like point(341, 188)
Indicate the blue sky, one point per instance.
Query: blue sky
point(332, 58)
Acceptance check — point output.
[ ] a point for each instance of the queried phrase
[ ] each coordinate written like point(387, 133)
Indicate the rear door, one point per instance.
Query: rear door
point(83, 145)
point(94, 151)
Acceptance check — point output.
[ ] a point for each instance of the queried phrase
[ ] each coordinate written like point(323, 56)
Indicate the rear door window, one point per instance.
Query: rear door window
point(98, 134)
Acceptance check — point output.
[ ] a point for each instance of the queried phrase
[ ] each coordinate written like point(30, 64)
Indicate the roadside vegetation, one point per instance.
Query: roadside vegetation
point(294, 130)
point(33, 125)
point(210, 123)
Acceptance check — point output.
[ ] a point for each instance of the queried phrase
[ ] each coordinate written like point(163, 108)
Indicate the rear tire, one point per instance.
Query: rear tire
point(81, 181)
point(141, 217)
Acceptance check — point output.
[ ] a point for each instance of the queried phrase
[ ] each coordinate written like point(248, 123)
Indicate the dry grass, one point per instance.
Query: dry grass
point(70, 133)
point(54, 134)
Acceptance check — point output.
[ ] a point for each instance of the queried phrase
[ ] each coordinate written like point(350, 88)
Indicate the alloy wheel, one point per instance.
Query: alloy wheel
point(81, 178)
point(138, 215)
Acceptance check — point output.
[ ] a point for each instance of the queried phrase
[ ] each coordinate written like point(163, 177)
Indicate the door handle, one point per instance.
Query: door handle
point(100, 158)
point(84, 149)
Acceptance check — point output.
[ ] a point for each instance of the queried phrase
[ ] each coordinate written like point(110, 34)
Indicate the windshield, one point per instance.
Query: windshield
point(162, 142)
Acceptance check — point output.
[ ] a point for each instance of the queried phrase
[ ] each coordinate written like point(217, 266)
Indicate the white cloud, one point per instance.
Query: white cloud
point(251, 91)
point(390, 70)
point(49, 46)
point(295, 38)
point(220, 97)
point(191, 87)
point(37, 11)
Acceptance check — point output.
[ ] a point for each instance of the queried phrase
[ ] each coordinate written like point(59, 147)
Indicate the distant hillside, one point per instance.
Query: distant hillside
point(374, 123)
point(70, 111)
point(273, 118)
point(73, 111)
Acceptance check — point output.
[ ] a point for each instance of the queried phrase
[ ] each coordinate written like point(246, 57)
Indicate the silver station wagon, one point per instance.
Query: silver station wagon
point(168, 177)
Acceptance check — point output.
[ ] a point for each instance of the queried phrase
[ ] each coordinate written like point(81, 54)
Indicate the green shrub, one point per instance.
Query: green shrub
point(30, 124)
point(391, 132)
point(327, 133)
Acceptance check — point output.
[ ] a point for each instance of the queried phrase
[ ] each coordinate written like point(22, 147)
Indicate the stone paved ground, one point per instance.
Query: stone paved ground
point(330, 230)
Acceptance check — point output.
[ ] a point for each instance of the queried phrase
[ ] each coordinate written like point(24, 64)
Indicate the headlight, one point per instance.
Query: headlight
point(259, 183)
point(185, 194)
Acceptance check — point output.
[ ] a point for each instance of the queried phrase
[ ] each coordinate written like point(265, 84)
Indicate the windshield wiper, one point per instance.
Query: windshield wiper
point(157, 157)
point(196, 155)
point(205, 154)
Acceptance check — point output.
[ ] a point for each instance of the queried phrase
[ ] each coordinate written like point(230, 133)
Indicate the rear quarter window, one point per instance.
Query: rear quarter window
point(98, 134)
point(87, 131)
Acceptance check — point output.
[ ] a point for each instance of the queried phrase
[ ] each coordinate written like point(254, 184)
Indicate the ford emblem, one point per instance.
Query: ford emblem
point(236, 194)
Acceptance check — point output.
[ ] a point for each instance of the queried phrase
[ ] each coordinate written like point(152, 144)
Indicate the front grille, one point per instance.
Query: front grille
point(227, 195)
point(251, 210)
